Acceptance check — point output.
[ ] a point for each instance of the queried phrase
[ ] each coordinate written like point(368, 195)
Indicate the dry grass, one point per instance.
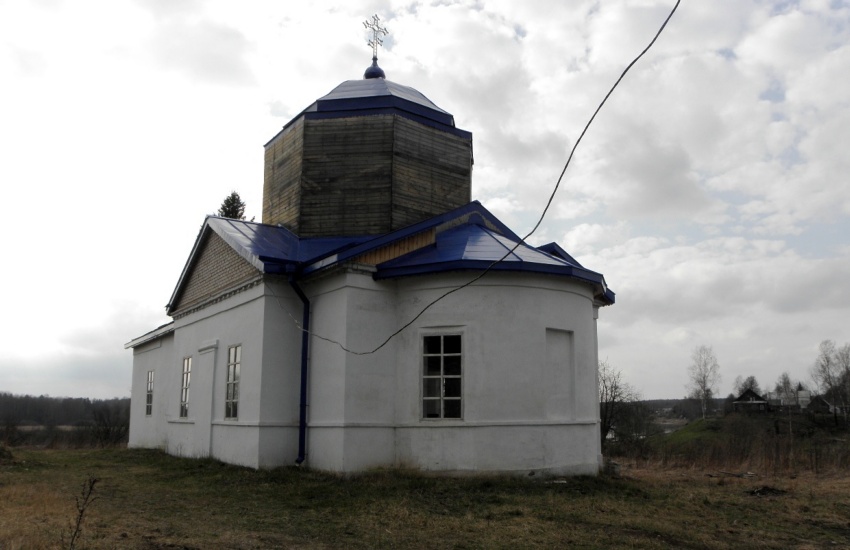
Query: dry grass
point(149, 500)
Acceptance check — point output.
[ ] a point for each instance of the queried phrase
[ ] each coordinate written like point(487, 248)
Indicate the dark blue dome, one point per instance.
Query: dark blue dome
point(374, 71)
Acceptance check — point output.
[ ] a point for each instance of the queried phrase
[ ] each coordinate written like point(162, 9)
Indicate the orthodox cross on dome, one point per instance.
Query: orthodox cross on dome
point(377, 31)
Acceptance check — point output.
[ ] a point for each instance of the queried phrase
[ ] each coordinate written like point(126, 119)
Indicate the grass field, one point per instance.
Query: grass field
point(146, 499)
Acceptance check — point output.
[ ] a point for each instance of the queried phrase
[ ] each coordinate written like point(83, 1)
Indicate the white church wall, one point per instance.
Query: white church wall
point(515, 329)
point(326, 398)
point(206, 335)
point(528, 377)
point(351, 404)
point(149, 431)
point(370, 379)
point(506, 448)
point(281, 376)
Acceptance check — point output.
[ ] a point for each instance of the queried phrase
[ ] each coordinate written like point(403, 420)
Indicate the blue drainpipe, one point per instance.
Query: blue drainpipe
point(305, 340)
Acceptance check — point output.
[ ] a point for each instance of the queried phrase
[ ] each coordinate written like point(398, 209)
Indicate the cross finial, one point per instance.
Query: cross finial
point(377, 31)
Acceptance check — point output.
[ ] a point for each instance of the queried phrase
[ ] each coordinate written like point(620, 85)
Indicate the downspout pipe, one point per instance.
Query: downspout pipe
point(305, 341)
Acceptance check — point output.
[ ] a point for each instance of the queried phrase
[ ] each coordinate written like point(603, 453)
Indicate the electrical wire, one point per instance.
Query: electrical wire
point(530, 233)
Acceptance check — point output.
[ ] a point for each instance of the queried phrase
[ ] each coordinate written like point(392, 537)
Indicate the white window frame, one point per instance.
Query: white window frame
point(441, 375)
point(231, 394)
point(149, 394)
point(185, 380)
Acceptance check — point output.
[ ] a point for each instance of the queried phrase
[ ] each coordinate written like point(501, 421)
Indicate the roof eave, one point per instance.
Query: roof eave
point(156, 333)
point(603, 294)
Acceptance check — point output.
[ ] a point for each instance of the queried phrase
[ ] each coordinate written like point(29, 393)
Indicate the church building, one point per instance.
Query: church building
point(317, 337)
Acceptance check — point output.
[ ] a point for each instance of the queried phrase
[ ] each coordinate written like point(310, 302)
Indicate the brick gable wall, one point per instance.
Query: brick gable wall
point(217, 268)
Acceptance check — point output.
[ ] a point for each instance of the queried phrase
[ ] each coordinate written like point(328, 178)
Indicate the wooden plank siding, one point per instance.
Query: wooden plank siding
point(432, 172)
point(398, 248)
point(282, 178)
point(365, 175)
point(346, 185)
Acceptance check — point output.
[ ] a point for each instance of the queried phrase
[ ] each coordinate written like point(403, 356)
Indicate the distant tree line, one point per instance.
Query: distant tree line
point(43, 410)
point(102, 421)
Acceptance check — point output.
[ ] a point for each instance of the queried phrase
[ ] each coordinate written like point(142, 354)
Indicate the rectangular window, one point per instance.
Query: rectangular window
point(184, 387)
point(441, 376)
point(149, 395)
point(231, 399)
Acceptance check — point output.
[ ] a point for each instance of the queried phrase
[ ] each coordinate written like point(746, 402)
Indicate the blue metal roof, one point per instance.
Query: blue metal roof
point(473, 212)
point(467, 238)
point(374, 96)
point(269, 248)
point(273, 248)
point(474, 247)
point(377, 87)
point(556, 250)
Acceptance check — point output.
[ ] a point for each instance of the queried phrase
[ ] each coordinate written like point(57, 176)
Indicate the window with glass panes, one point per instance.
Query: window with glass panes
point(441, 376)
point(231, 399)
point(184, 387)
point(149, 395)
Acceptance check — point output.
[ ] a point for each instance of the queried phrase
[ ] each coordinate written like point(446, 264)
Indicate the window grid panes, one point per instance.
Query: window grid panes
point(149, 394)
point(184, 387)
point(231, 400)
point(442, 360)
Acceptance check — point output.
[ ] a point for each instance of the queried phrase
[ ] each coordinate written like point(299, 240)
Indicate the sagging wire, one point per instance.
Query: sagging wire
point(533, 229)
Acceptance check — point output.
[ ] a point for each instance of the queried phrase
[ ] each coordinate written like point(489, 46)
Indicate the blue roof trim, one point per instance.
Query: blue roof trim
point(474, 247)
point(383, 102)
point(607, 295)
point(476, 212)
point(471, 238)
point(378, 88)
point(388, 111)
point(375, 96)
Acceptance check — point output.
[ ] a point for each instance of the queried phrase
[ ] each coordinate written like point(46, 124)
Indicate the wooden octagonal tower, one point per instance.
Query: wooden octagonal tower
point(370, 157)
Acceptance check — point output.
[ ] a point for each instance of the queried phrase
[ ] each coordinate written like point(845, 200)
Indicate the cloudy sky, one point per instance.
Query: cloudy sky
point(712, 190)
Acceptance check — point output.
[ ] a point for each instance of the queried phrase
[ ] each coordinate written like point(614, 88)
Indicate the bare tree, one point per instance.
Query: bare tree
point(704, 372)
point(831, 372)
point(826, 372)
point(110, 422)
point(748, 383)
point(615, 398)
point(785, 389)
point(842, 357)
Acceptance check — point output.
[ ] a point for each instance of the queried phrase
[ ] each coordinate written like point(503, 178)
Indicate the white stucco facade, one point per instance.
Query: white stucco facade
point(367, 218)
point(528, 378)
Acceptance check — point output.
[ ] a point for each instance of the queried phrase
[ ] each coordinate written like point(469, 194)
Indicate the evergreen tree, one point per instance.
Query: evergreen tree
point(232, 207)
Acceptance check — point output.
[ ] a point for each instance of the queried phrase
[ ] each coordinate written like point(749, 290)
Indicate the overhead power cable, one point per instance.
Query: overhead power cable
point(533, 229)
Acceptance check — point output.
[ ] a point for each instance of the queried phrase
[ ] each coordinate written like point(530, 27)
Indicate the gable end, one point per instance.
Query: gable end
point(218, 268)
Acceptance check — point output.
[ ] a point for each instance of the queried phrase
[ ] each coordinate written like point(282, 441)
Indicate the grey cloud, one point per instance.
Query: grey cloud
point(101, 376)
point(126, 321)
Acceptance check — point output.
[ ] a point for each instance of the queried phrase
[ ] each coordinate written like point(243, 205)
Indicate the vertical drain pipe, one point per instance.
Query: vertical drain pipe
point(305, 340)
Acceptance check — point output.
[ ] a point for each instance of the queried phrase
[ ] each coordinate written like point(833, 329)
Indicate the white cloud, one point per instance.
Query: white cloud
point(204, 50)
